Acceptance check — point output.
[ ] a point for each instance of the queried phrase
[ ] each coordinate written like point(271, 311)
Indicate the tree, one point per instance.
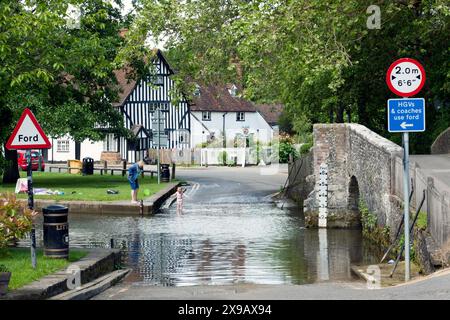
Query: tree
point(64, 74)
point(317, 57)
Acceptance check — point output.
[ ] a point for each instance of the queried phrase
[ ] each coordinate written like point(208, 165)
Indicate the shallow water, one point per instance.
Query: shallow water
point(233, 240)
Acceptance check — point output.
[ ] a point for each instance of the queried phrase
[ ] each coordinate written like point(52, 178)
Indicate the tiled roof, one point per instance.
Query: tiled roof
point(217, 98)
point(126, 85)
point(270, 112)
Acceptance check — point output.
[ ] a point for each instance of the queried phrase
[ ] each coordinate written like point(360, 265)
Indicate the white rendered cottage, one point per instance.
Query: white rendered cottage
point(215, 109)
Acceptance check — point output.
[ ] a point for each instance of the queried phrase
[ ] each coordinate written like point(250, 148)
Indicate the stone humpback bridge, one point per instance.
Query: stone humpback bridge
point(365, 166)
point(361, 165)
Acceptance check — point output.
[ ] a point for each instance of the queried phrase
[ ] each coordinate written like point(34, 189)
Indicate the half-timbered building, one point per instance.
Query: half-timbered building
point(138, 100)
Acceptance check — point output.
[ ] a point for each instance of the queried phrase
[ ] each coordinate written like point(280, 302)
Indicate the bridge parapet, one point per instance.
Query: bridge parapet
point(361, 165)
point(442, 143)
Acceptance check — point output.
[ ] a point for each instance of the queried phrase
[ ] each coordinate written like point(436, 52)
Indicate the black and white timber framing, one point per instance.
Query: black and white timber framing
point(138, 106)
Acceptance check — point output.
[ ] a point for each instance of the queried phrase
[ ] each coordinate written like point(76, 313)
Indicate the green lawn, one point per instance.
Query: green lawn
point(18, 262)
point(93, 187)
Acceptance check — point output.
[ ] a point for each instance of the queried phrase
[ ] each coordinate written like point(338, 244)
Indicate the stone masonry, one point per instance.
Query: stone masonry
point(360, 166)
point(442, 143)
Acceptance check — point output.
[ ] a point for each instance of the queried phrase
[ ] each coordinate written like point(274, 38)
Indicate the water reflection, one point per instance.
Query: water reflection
point(223, 243)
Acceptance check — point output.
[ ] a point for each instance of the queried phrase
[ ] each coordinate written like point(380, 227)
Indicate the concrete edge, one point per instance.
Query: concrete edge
point(158, 198)
point(151, 204)
point(93, 288)
point(97, 263)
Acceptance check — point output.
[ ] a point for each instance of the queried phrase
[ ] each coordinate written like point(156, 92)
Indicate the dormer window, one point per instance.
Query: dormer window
point(197, 91)
point(233, 90)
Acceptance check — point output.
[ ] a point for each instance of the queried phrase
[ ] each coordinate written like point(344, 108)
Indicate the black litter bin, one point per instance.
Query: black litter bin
point(56, 231)
point(88, 166)
point(165, 173)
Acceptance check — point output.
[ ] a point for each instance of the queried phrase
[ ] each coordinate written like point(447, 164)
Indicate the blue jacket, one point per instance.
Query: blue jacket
point(133, 172)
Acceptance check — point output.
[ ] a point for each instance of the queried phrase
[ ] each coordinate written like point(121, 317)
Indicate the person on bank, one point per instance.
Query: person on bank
point(133, 173)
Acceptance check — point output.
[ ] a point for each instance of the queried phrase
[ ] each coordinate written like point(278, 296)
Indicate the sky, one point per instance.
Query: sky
point(127, 6)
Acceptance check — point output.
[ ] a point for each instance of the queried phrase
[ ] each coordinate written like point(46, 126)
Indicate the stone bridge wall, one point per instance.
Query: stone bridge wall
point(442, 143)
point(354, 153)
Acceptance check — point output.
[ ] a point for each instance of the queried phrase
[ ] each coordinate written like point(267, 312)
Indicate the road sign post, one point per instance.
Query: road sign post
point(406, 202)
point(28, 135)
point(31, 206)
point(159, 146)
point(159, 137)
point(406, 77)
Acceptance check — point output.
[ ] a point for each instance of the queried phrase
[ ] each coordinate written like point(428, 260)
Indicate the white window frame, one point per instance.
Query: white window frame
point(62, 145)
point(208, 114)
point(233, 91)
point(110, 144)
point(240, 116)
point(197, 91)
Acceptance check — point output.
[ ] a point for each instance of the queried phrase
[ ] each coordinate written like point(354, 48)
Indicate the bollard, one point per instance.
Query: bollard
point(124, 168)
point(165, 173)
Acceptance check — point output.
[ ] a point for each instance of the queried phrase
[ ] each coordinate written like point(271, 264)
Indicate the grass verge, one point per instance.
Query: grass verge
point(87, 188)
point(18, 262)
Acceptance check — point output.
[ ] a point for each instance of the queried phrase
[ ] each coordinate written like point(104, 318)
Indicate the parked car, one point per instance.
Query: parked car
point(35, 155)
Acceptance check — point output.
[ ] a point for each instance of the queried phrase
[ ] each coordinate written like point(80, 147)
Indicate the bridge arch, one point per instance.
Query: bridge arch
point(353, 195)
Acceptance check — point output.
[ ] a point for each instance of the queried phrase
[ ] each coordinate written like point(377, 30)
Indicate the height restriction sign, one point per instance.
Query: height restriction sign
point(405, 77)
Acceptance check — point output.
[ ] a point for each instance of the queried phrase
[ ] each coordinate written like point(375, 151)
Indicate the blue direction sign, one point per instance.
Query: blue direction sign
point(406, 115)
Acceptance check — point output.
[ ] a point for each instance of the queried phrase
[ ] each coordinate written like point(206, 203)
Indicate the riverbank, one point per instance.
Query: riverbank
point(17, 261)
point(96, 263)
point(150, 205)
point(75, 187)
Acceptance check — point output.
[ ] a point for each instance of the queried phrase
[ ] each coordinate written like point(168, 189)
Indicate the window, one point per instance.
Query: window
point(197, 91)
point(158, 105)
point(62, 146)
point(159, 80)
point(206, 115)
point(233, 91)
point(240, 116)
point(110, 143)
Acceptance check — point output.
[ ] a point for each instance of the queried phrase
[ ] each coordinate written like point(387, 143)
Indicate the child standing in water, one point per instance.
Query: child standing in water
point(180, 200)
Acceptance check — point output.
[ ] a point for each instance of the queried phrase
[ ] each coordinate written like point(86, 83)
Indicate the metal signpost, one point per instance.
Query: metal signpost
point(28, 135)
point(159, 136)
point(406, 77)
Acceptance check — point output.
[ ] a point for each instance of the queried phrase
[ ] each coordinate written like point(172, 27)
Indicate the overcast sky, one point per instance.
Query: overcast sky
point(127, 6)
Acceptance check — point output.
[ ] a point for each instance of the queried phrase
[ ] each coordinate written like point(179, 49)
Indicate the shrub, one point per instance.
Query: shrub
point(222, 155)
point(304, 149)
point(15, 219)
point(368, 219)
point(3, 268)
point(285, 149)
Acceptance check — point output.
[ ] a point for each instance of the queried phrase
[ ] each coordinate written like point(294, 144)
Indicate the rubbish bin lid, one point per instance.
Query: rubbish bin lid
point(55, 208)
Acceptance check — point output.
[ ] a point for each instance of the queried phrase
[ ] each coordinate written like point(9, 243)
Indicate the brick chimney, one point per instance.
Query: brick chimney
point(123, 32)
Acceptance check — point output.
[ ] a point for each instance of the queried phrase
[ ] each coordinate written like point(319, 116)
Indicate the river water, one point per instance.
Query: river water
point(223, 242)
